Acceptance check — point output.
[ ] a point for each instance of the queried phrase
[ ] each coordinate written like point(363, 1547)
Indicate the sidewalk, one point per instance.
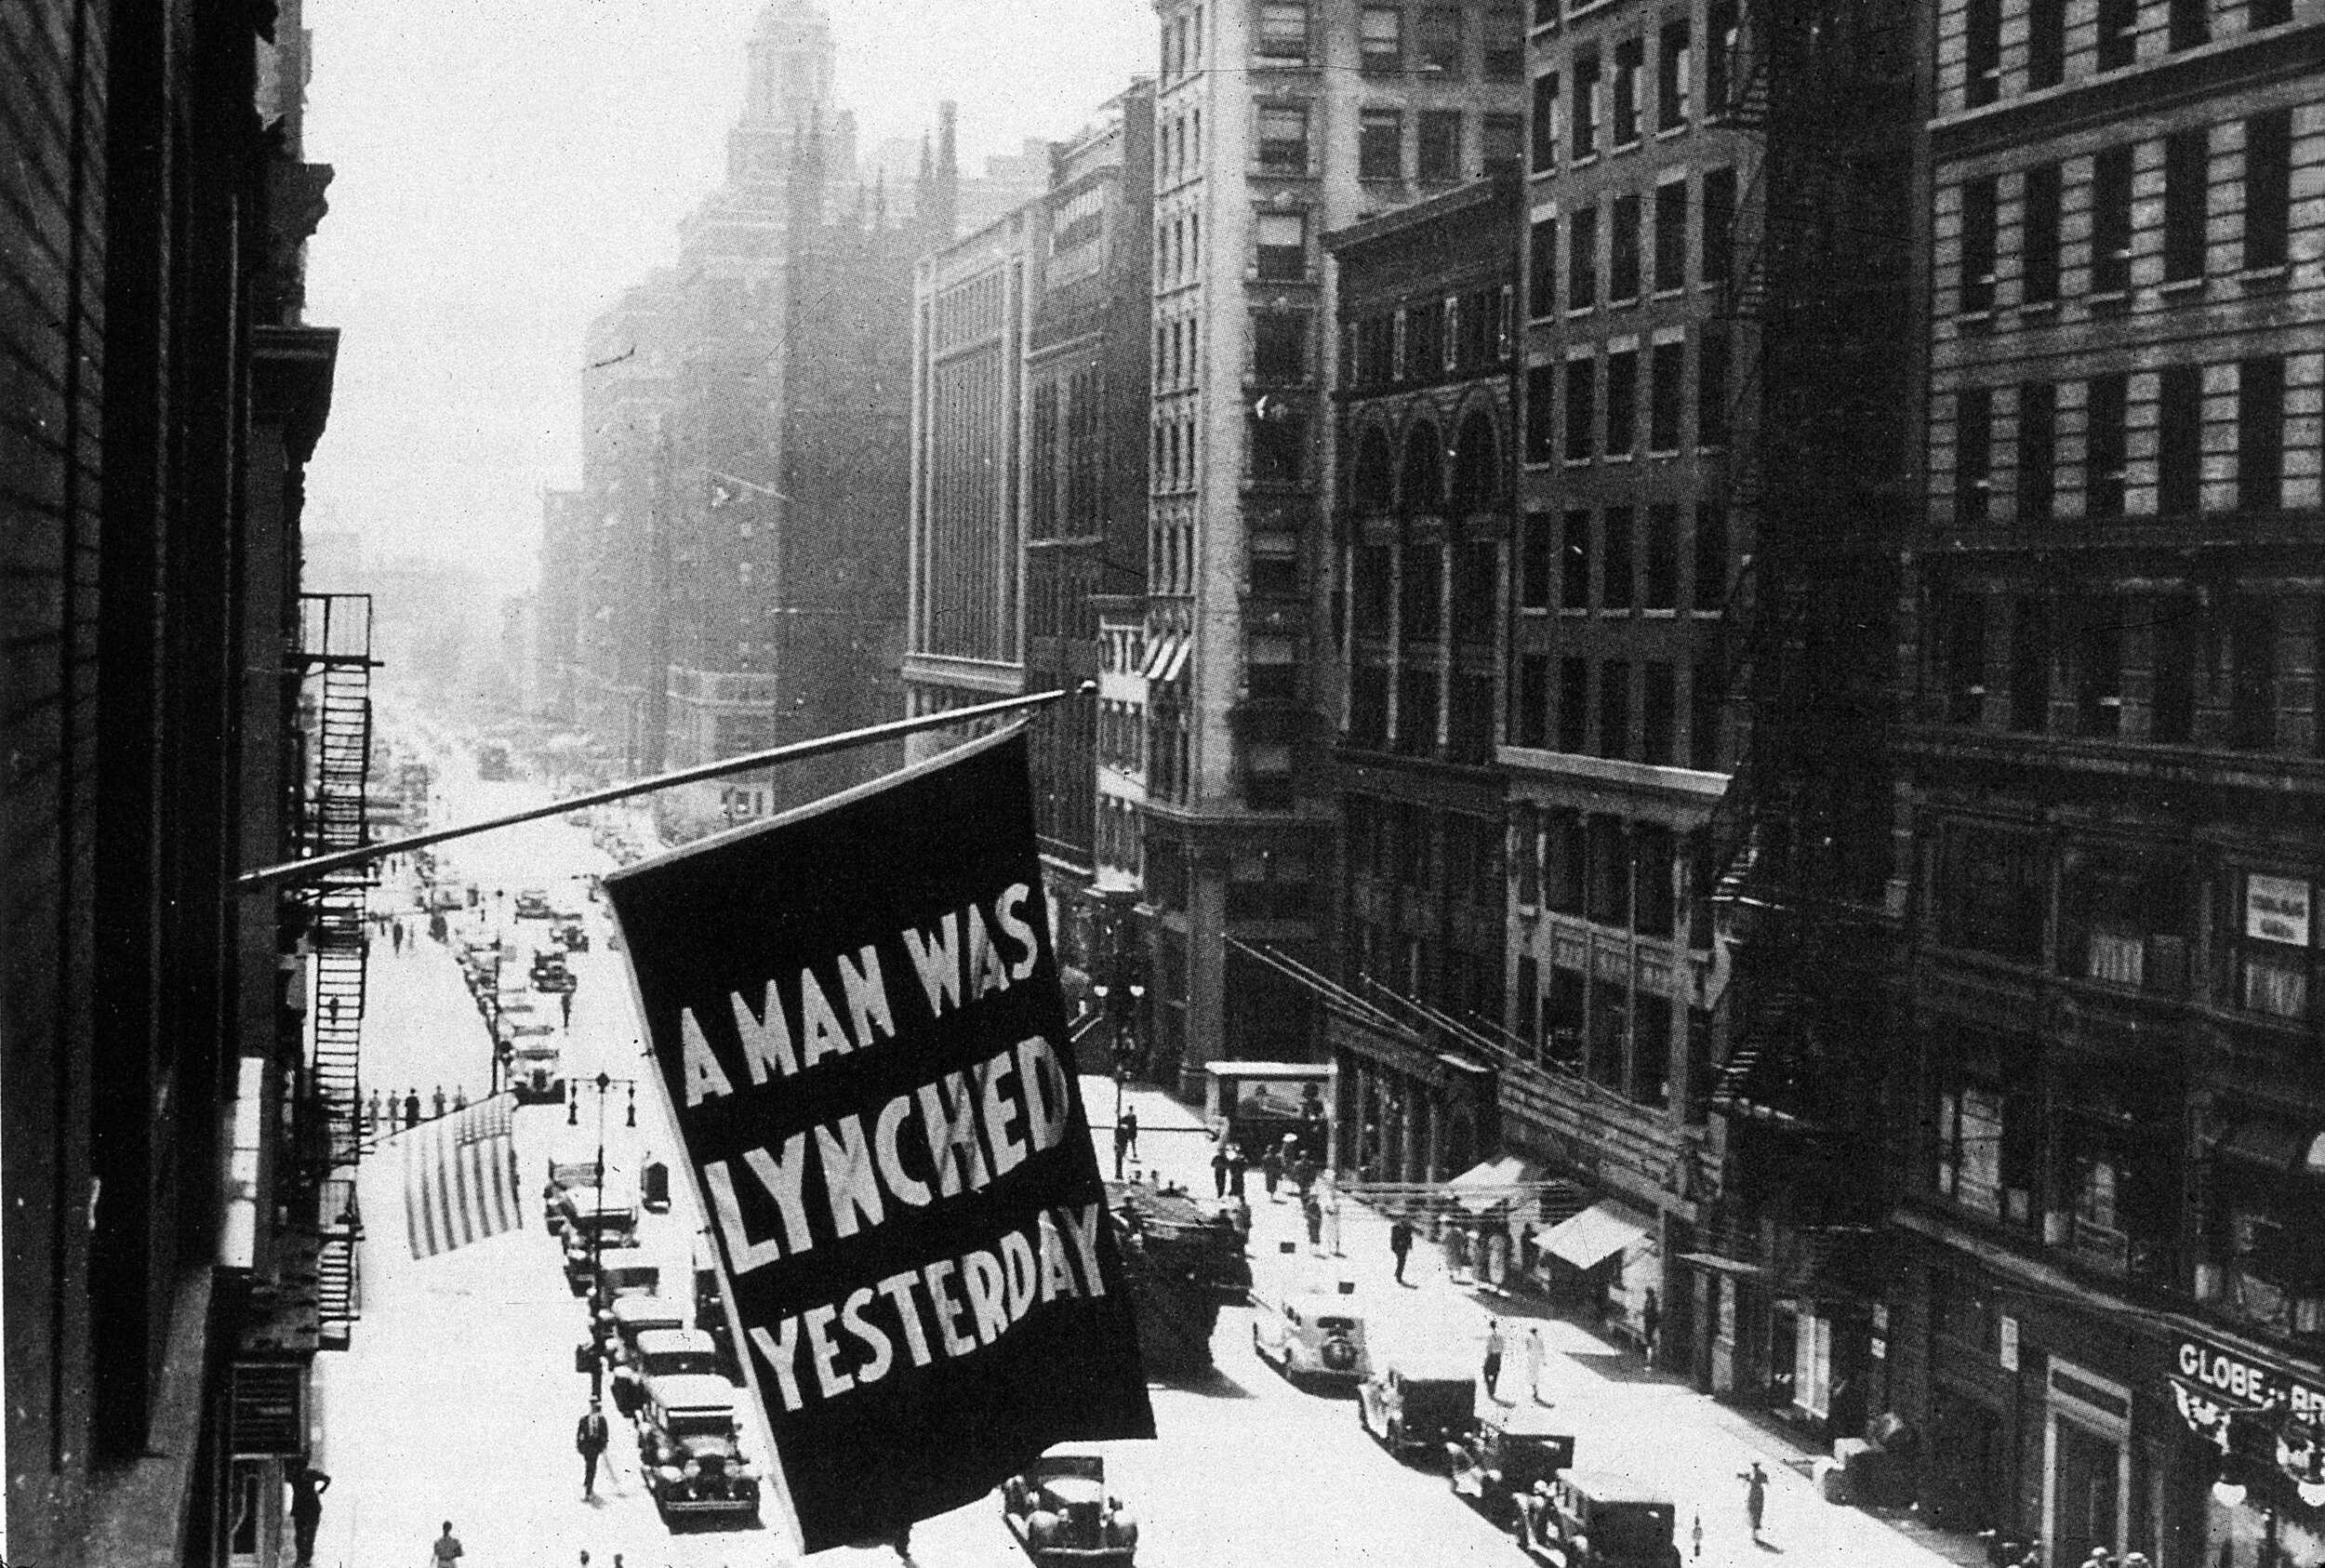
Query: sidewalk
point(1648, 1425)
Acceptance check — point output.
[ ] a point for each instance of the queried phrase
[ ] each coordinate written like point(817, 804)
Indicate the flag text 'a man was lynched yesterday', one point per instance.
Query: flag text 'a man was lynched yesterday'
point(948, 1137)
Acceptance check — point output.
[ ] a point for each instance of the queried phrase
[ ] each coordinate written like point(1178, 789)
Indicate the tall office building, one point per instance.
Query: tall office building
point(1274, 123)
point(2114, 1298)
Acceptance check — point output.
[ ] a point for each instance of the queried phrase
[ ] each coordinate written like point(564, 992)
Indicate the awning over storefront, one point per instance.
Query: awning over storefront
point(1595, 1234)
point(1177, 665)
point(1159, 655)
point(1490, 1185)
point(2279, 1146)
point(1713, 1262)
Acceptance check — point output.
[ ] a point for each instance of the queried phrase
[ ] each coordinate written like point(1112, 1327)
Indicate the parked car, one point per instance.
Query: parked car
point(564, 1175)
point(532, 904)
point(549, 972)
point(1312, 1337)
point(1060, 1512)
point(690, 1449)
point(663, 1352)
point(1588, 1518)
point(572, 937)
point(624, 1321)
point(1409, 1405)
point(1504, 1453)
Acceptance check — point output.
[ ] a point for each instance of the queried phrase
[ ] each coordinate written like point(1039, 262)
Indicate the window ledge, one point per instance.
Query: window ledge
point(1662, 451)
point(1585, 161)
point(1621, 456)
point(1669, 132)
point(2113, 298)
point(1578, 463)
point(1968, 319)
point(1622, 302)
point(2265, 277)
point(1630, 146)
point(1575, 312)
point(2038, 308)
point(1675, 292)
point(2172, 288)
point(1660, 615)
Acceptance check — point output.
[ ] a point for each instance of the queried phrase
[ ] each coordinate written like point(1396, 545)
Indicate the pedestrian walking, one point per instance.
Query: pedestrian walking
point(1271, 1171)
point(1122, 1145)
point(564, 1006)
point(1303, 1172)
point(589, 1437)
point(1492, 1369)
point(1219, 1172)
point(1237, 1167)
point(1755, 1497)
point(439, 1100)
point(448, 1547)
point(1533, 1352)
point(1651, 1324)
point(1128, 1123)
point(1313, 1209)
point(308, 1485)
point(460, 1098)
point(375, 1110)
point(1697, 1534)
point(1400, 1244)
point(411, 1109)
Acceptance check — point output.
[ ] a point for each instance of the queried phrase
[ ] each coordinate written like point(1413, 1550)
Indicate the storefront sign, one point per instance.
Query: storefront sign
point(2215, 1389)
point(2241, 1383)
point(2276, 910)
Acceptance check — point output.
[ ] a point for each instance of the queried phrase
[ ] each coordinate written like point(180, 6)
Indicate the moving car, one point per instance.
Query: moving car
point(1503, 1454)
point(690, 1449)
point(537, 1073)
point(572, 937)
point(1060, 1512)
point(1588, 1518)
point(549, 971)
point(1411, 1404)
point(1312, 1336)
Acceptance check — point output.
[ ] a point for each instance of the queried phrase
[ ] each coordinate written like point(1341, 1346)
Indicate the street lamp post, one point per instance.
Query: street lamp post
point(603, 1083)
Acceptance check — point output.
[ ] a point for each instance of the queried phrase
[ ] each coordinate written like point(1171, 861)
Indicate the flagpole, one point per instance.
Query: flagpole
point(798, 751)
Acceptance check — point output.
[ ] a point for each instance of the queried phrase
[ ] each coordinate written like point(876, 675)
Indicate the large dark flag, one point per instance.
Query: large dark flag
point(856, 1012)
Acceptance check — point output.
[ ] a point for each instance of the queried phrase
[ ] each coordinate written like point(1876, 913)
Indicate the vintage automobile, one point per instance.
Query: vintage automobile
point(572, 937)
point(624, 1321)
point(1060, 1512)
point(1587, 1518)
point(1503, 1454)
point(1409, 1404)
point(532, 904)
point(521, 1021)
point(1310, 1336)
point(536, 1073)
point(549, 972)
point(564, 1175)
point(690, 1449)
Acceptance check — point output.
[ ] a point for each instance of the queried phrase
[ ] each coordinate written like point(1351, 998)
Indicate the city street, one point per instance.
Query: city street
point(459, 1399)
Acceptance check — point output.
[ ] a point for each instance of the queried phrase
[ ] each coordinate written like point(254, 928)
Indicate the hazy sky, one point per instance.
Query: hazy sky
point(506, 168)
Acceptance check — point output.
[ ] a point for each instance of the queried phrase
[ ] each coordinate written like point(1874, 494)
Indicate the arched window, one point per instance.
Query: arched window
point(1424, 486)
point(1374, 484)
point(1477, 466)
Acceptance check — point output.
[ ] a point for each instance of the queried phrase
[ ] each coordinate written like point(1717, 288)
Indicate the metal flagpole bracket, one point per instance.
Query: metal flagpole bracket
point(291, 871)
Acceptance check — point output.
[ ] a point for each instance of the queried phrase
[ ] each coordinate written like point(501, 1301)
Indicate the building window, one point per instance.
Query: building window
point(1418, 617)
point(2252, 639)
point(1440, 40)
point(1990, 892)
point(2030, 664)
point(1575, 562)
point(1279, 347)
point(1533, 727)
point(1541, 447)
point(2038, 450)
point(2039, 237)
point(1973, 453)
point(1380, 145)
point(1582, 259)
point(1618, 576)
point(1711, 390)
point(1615, 727)
point(1542, 268)
point(1712, 557)
point(2111, 222)
point(1501, 141)
point(2268, 189)
point(1282, 247)
point(1622, 402)
point(1283, 139)
point(1537, 562)
point(1659, 733)
point(1968, 1168)
point(1545, 117)
point(2119, 34)
point(1574, 706)
point(2272, 931)
point(1722, 42)
point(2259, 435)
point(2175, 641)
point(1381, 40)
point(1981, 204)
point(1672, 236)
point(1440, 150)
point(1623, 244)
point(1582, 407)
point(2180, 442)
point(1671, 76)
point(1504, 42)
point(2107, 445)
point(1985, 51)
point(2187, 170)
point(1706, 697)
point(1283, 32)
point(1718, 243)
point(1631, 76)
point(2190, 23)
point(1585, 111)
point(2096, 652)
point(1961, 630)
point(2046, 43)
point(1277, 436)
point(1666, 395)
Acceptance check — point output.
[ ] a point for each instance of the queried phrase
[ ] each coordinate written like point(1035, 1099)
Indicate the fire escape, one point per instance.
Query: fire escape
point(1816, 310)
point(335, 653)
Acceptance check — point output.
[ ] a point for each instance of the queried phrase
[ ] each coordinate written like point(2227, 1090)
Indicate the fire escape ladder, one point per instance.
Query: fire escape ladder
point(336, 651)
point(339, 1264)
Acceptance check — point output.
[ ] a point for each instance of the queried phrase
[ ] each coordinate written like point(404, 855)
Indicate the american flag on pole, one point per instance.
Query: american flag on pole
point(460, 1178)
